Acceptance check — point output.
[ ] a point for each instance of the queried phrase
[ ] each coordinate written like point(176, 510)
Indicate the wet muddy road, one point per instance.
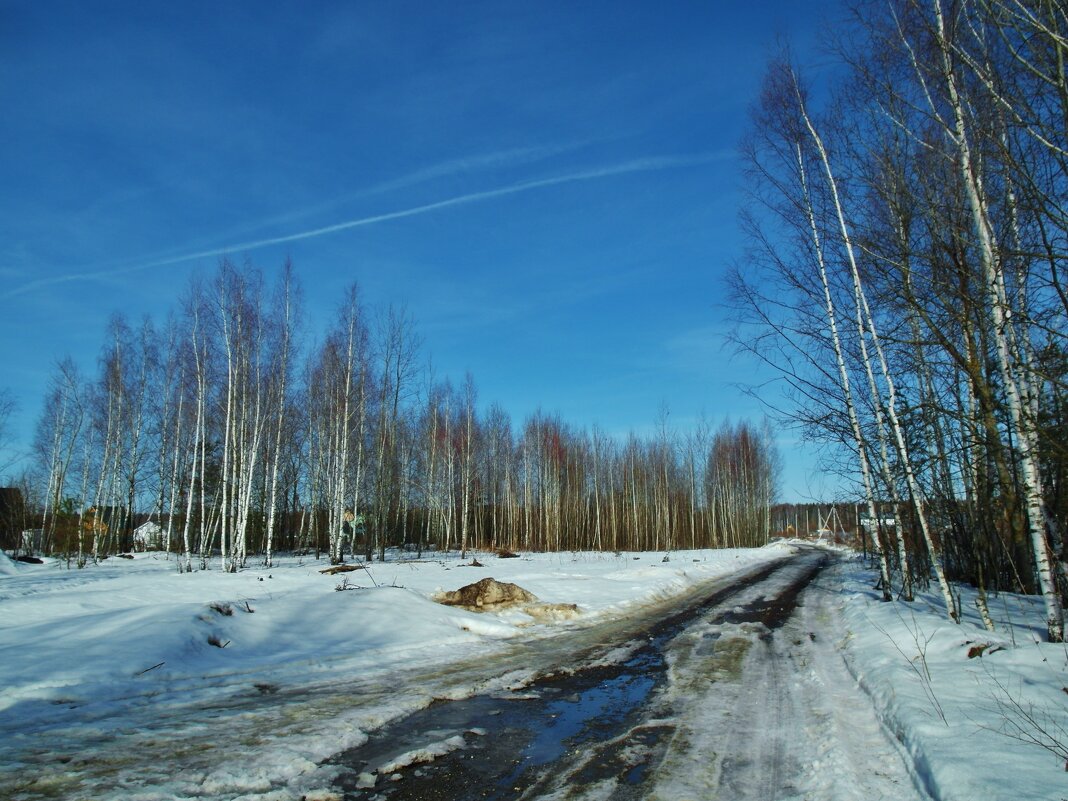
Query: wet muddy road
point(606, 720)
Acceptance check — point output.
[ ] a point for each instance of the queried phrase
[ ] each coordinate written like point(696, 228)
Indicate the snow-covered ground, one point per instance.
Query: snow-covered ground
point(113, 686)
point(974, 726)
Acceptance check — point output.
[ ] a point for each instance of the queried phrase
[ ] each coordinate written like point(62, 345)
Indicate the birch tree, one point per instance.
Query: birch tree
point(284, 314)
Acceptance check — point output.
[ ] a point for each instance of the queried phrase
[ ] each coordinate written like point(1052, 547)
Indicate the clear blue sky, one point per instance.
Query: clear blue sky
point(550, 188)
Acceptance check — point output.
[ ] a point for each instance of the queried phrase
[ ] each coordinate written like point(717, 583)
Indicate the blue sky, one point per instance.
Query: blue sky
point(550, 188)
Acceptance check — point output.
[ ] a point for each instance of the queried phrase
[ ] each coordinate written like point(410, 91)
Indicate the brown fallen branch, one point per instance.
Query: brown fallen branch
point(330, 571)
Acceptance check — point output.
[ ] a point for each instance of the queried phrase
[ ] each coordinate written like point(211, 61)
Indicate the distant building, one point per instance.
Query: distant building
point(148, 537)
point(105, 519)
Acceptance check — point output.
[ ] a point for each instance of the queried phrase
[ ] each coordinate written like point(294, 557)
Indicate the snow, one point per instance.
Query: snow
point(427, 753)
point(953, 713)
point(8, 567)
point(305, 670)
point(775, 715)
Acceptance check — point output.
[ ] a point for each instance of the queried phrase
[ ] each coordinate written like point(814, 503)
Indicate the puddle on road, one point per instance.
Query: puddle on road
point(511, 740)
point(507, 739)
point(771, 612)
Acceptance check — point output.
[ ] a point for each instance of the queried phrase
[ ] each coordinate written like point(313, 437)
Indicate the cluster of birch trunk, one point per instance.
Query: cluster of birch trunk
point(238, 440)
point(909, 241)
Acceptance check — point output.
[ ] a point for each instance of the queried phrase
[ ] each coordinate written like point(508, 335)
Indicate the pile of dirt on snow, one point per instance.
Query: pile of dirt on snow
point(489, 594)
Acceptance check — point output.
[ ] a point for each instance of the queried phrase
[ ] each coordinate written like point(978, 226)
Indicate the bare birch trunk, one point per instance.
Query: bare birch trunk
point(1016, 383)
point(864, 314)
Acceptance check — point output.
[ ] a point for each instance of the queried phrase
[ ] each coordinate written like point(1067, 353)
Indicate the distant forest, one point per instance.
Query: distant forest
point(238, 443)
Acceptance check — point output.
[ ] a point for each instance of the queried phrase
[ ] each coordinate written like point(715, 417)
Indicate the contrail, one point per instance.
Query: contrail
point(443, 169)
point(638, 165)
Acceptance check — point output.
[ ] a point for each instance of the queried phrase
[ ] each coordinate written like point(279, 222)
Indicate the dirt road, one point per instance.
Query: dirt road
point(736, 691)
point(736, 696)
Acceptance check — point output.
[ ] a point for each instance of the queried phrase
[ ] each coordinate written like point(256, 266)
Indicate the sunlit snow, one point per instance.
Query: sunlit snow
point(127, 679)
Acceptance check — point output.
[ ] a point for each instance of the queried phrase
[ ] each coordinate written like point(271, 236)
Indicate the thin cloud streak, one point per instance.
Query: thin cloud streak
point(445, 169)
point(650, 164)
point(468, 164)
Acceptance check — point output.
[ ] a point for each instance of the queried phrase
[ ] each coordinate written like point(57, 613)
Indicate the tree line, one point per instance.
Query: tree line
point(909, 230)
point(238, 442)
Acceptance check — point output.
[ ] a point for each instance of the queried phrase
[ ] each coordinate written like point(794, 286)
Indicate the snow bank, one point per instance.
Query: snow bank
point(12, 567)
point(8, 566)
point(965, 720)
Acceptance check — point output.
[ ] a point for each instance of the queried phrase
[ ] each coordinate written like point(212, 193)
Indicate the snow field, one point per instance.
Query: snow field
point(303, 671)
point(112, 690)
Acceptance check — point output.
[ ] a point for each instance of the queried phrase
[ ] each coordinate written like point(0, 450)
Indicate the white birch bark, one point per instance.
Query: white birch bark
point(1001, 311)
point(282, 370)
point(843, 372)
point(864, 314)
